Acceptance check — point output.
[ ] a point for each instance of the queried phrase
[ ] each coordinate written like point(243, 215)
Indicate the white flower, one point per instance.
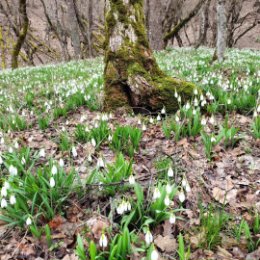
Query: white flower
point(89, 158)
point(151, 120)
point(184, 182)
point(154, 255)
point(129, 207)
point(148, 238)
point(181, 196)
point(103, 242)
point(52, 182)
point(168, 188)
point(229, 101)
point(3, 203)
point(110, 138)
point(10, 150)
point(213, 139)
point(23, 161)
point(7, 185)
point(28, 221)
point(177, 119)
point(120, 209)
point(4, 192)
point(144, 127)
point(12, 200)
point(156, 194)
point(16, 145)
point(188, 188)
point(167, 201)
point(131, 179)
point(255, 114)
point(179, 99)
point(170, 172)
point(176, 94)
point(74, 152)
point(203, 121)
point(159, 118)
point(61, 163)
point(163, 112)
point(1, 160)
point(100, 163)
point(93, 142)
point(212, 120)
point(139, 122)
point(13, 170)
point(54, 170)
point(42, 153)
point(172, 219)
point(195, 91)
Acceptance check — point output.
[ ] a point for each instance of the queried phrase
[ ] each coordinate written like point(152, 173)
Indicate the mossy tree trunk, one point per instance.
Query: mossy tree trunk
point(133, 79)
point(22, 34)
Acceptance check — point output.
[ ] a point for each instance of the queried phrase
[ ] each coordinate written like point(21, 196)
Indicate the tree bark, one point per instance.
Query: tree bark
point(22, 34)
point(133, 79)
point(222, 27)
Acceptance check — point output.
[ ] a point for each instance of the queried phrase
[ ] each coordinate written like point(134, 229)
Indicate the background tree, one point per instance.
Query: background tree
point(222, 27)
point(132, 76)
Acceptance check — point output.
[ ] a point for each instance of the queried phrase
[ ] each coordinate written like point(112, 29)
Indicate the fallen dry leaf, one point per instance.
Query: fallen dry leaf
point(166, 244)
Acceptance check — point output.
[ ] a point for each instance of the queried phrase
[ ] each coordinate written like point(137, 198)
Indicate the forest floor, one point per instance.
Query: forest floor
point(80, 184)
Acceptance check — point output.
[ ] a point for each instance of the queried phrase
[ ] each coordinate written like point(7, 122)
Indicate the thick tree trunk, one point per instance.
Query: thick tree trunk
point(222, 27)
point(22, 34)
point(132, 77)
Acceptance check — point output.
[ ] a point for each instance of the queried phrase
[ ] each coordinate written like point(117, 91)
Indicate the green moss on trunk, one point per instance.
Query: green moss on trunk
point(132, 76)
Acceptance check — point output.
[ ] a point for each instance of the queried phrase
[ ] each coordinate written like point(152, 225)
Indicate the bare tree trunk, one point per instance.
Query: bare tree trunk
point(74, 29)
point(204, 25)
point(222, 27)
point(132, 77)
point(90, 27)
point(22, 34)
point(2, 48)
point(183, 22)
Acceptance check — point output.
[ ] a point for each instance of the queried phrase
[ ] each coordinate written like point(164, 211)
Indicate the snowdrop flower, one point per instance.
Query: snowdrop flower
point(52, 182)
point(54, 170)
point(255, 114)
point(103, 242)
point(203, 121)
point(3, 203)
point(179, 99)
point(23, 161)
point(139, 122)
point(195, 92)
point(109, 138)
point(2, 141)
point(12, 200)
point(177, 119)
point(163, 111)
point(187, 106)
point(184, 182)
point(229, 101)
point(13, 170)
point(74, 152)
point(154, 255)
point(4, 192)
point(172, 219)
point(144, 127)
point(10, 149)
point(42, 153)
point(7, 185)
point(148, 238)
point(213, 139)
point(100, 163)
point(168, 188)
point(181, 196)
point(16, 145)
point(131, 180)
point(151, 120)
point(212, 120)
point(167, 201)
point(170, 172)
point(158, 118)
point(89, 158)
point(1, 160)
point(61, 163)
point(176, 94)
point(93, 142)
point(28, 221)
point(156, 194)
point(188, 188)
